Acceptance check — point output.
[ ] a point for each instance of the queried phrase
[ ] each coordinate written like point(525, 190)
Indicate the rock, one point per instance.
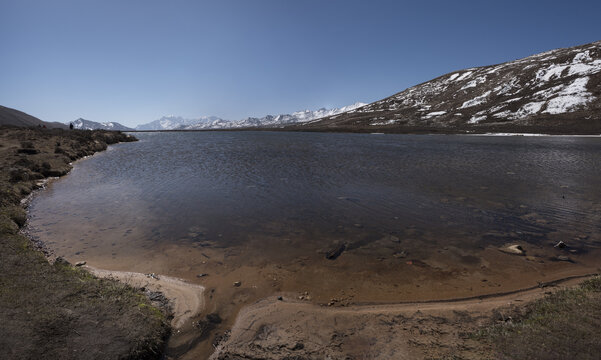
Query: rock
point(560, 245)
point(399, 255)
point(61, 261)
point(237, 283)
point(335, 252)
point(152, 276)
point(28, 151)
point(390, 237)
point(280, 298)
point(202, 275)
point(157, 296)
point(214, 318)
point(80, 263)
point(513, 249)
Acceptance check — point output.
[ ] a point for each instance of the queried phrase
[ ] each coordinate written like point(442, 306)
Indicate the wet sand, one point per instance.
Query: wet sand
point(319, 286)
point(186, 300)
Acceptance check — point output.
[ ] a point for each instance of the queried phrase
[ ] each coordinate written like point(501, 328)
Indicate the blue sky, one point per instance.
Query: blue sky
point(135, 61)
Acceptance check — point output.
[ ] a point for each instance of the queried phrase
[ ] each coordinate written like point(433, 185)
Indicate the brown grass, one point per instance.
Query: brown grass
point(59, 311)
point(563, 325)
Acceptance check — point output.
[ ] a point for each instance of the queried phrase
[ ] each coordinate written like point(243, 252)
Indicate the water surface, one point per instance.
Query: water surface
point(274, 197)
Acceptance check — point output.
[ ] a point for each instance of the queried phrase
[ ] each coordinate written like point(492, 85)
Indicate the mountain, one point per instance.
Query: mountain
point(172, 122)
point(14, 117)
point(271, 120)
point(557, 91)
point(83, 124)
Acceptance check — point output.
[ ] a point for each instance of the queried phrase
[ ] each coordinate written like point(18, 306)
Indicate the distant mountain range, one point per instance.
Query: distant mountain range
point(211, 122)
point(172, 122)
point(83, 124)
point(555, 91)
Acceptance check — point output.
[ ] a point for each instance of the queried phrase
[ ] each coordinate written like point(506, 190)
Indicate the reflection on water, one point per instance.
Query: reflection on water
point(309, 191)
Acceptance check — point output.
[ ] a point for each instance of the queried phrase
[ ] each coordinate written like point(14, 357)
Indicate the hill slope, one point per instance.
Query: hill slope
point(18, 118)
point(556, 91)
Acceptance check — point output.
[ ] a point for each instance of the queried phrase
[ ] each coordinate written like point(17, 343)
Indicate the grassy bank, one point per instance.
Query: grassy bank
point(563, 325)
point(57, 310)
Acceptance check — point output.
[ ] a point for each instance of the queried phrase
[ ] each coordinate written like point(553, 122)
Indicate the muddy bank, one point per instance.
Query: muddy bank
point(59, 310)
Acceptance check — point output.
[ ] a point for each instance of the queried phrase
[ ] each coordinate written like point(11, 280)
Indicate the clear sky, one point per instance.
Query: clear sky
point(135, 61)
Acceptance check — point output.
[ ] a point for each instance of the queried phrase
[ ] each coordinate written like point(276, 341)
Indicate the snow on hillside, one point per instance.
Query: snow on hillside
point(552, 84)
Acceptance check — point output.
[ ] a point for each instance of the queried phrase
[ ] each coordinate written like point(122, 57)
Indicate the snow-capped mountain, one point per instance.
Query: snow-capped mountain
point(555, 91)
point(271, 120)
point(172, 122)
point(83, 124)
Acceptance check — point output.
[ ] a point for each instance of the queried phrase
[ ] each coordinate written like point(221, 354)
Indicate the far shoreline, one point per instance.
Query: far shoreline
point(380, 131)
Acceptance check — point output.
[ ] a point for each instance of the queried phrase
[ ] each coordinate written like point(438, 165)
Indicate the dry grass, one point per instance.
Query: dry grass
point(59, 311)
point(563, 325)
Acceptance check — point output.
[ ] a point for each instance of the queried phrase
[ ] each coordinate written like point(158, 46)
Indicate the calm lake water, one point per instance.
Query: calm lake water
point(313, 190)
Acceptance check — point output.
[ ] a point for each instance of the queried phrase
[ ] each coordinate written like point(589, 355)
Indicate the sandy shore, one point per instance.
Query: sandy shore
point(187, 300)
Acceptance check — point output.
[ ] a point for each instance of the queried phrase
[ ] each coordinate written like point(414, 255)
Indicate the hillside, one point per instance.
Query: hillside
point(18, 118)
point(556, 91)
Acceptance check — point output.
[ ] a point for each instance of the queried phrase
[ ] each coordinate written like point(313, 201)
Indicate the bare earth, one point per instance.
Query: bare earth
point(273, 329)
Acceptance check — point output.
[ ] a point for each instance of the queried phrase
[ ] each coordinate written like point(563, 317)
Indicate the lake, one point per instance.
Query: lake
point(361, 217)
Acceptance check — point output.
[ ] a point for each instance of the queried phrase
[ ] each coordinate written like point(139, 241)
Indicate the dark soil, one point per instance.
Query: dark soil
point(58, 311)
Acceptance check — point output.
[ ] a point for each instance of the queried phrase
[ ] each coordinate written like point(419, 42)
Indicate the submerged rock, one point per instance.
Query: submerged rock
point(513, 249)
point(563, 258)
point(335, 252)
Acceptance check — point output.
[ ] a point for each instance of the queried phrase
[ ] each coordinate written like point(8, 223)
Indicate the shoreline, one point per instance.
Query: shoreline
point(391, 327)
point(57, 310)
point(378, 132)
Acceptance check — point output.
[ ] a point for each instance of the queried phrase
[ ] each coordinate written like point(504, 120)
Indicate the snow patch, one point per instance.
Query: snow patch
point(464, 76)
point(433, 114)
point(387, 122)
point(476, 101)
point(476, 119)
point(477, 81)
